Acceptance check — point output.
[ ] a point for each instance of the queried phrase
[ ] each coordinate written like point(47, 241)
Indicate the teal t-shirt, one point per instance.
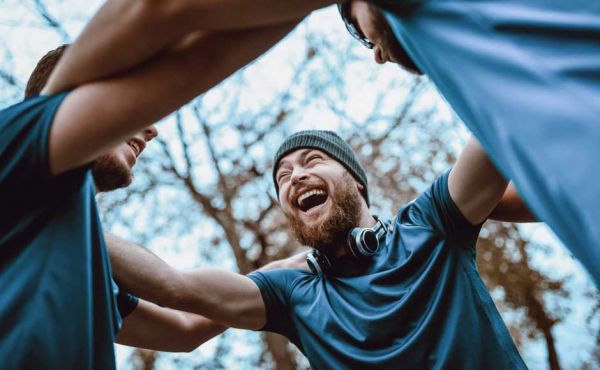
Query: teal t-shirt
point(419, 303)
point(524, 76)
point(58, 303)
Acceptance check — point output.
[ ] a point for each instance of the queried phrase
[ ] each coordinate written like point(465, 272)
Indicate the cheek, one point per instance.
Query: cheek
point(372, 34)
point(283, 199)
point(378, 28)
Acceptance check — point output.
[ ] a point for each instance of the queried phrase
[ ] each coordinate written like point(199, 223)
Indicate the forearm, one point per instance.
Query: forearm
point(225, 297)
point(511, 208)
point(140, 271)
point(120, 36)
point(117, 108)
point(162, 329)
point(126, 33)
point(239, 14)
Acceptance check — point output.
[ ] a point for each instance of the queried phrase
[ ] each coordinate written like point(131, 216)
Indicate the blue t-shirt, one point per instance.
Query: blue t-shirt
point(524, 75)
point(58, 302)
point(419, 303)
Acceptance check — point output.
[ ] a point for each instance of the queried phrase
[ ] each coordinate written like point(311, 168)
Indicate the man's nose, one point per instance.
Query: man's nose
point(150, 132)
point(298, 175)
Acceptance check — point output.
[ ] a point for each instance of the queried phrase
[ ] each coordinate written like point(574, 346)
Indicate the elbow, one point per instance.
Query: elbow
point(196, 332)
point(190, 348)
point(187, 346)
point(183, 345)
point(193, 344)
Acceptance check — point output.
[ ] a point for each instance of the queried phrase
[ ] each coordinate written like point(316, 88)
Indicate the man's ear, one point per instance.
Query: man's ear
point(359, 185)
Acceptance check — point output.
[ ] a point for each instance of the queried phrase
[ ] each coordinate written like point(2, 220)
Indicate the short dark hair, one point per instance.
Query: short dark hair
point(43, 70)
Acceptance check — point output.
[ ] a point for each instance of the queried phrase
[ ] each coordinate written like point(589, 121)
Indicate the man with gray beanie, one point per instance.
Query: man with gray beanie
point(373, 294)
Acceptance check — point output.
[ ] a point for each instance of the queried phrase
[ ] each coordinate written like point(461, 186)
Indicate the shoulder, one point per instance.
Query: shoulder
point(427, 204)
point(435, 210)
point(26, 109)
point(281, 277)
point(279, 281)
point(29, 121)
point(24, 134)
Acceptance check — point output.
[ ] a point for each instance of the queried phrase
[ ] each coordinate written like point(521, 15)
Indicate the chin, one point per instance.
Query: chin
point(314, 219)
point(110, 173)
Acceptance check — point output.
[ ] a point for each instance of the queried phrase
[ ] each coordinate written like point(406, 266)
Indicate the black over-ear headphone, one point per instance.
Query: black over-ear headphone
point(362, 242)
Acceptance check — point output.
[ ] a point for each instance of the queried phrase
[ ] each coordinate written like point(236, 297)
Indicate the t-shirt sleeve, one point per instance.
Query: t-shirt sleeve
point(126, 303)
point(24, 132)
point(274, 287)
point(435, 209)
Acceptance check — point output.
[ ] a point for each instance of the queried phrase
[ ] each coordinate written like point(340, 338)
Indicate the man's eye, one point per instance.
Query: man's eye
point(313, 157)
point(282, 177)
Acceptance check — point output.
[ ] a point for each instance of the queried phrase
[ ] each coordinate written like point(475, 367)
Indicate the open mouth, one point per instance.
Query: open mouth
point(311, 199)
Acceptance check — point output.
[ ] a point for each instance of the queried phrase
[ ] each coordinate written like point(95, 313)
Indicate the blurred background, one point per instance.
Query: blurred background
point(203, 194)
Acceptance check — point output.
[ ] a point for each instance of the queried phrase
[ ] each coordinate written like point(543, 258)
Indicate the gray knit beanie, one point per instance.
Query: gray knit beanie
point(328, 142)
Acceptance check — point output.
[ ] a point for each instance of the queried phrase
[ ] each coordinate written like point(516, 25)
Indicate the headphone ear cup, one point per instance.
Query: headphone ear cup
point(362, 242)
point(369, 242)
point(318, 263)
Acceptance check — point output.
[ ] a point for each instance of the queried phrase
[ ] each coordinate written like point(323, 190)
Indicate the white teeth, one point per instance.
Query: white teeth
point(309, 193)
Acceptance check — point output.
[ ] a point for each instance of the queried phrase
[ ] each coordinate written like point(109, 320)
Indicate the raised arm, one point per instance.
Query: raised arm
point(97, 116)
point(163, 329)
point(226, 297)
point(126, 33)
point(511, 208)
point(475, 184)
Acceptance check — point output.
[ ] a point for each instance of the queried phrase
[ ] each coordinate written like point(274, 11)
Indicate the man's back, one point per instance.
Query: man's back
point(58, 309)
point(420, 302)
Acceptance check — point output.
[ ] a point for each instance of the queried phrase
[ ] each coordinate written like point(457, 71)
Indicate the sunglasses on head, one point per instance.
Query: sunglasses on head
point(351, 27)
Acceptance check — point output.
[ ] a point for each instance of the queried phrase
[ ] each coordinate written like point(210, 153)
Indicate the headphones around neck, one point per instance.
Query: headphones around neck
point(362, 242)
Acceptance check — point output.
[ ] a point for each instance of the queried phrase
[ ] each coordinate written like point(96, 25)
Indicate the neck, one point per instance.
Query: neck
point(366, 220)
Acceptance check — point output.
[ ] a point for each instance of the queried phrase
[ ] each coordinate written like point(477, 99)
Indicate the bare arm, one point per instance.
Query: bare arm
point(162, 329)
point(511, 208)
point(226, 297)
point(475, 184)
point(118, 107)
point(126, 33)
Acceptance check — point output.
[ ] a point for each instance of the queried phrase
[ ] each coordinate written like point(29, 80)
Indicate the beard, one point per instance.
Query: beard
point(110, 173)
point(333, 231)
